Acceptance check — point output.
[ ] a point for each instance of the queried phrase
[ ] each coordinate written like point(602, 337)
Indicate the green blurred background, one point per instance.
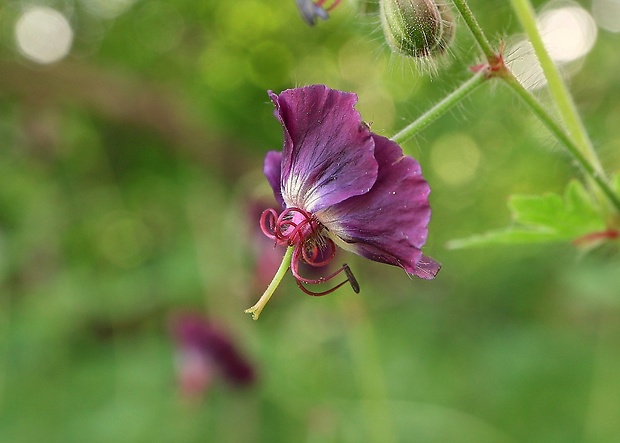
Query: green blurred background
point(127, 170)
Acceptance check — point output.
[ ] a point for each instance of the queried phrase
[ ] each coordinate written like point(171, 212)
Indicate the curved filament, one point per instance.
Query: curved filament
point(312, 260)
point(320, 294)
point(301, 230)
point(268, 222)
point(300, 280)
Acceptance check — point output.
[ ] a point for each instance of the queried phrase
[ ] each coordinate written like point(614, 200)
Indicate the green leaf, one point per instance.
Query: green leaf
point(544, 218)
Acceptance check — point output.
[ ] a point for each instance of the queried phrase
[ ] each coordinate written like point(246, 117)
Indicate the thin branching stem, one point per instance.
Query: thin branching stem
point(576, 142)
point(573, 149)
point(471, 22)
point(561, 96)
point(440, 108)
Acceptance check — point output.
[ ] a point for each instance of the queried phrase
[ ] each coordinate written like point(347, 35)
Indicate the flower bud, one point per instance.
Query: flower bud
point(417, 28)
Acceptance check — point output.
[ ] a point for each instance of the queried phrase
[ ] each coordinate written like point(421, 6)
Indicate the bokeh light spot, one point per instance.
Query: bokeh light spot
point(125, 240)
point(455, 158)
point(607, 14)
point(568, 32)
point(43, 35)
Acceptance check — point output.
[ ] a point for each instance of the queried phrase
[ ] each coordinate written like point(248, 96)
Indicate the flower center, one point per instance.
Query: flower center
point(300, 229)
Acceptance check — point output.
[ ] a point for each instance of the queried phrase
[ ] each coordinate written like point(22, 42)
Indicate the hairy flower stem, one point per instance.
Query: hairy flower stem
point(562, 97)
point(262, 301)
point(580, 150)
point(471, 22)
point(557, 87)
point(573, 149)
point(441, 108)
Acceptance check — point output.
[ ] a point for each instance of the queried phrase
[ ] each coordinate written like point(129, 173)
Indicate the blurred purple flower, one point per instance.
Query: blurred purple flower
point(205, 352)
point(339, 183)
point(311, 10)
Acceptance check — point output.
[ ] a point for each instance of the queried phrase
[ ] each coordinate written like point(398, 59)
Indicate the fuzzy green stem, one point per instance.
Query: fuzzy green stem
point(471, 22)
point(262, 301)
point(557, 87)
point(440, 108)
point(588, 168)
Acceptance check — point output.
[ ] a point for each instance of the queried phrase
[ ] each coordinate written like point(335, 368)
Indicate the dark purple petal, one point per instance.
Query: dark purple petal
point(273, 171)
point(426, 268)
point(328, 153)
point(388, 224)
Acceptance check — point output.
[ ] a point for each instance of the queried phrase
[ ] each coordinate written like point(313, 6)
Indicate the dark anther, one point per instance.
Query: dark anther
point(354, 284)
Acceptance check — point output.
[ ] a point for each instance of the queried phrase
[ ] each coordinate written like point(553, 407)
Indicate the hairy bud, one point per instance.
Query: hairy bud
point(417, 28)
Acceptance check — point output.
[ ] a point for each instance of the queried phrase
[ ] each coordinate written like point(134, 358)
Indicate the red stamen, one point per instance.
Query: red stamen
point(320, 294)
point(268, 220)
point(300, 229)
point(345, 268)
point(312, 259)
point(297, 231)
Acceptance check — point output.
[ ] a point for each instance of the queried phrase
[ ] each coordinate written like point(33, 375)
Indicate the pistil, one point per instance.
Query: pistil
point(303, 235)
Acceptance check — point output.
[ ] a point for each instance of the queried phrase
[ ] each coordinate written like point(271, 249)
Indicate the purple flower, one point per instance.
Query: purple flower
point(340, 184)
point(205, 352)
point(312, 10)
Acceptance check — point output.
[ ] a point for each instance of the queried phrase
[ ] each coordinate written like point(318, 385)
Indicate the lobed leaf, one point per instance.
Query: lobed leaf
point(544, 218)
